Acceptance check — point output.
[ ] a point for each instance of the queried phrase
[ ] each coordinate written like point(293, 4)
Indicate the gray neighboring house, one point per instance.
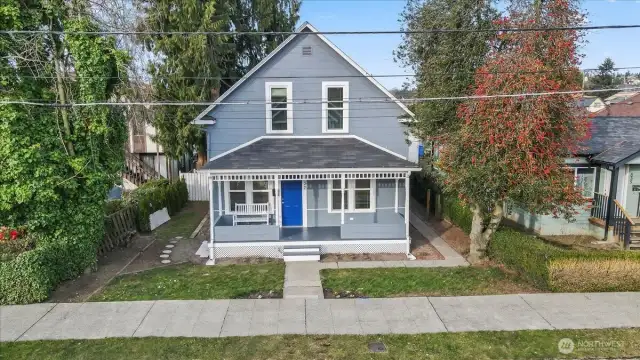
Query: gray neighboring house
point(608, 171)
point(294, 177)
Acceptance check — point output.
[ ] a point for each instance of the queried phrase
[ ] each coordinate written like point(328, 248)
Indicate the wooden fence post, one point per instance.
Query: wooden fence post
point(428, 203)
point(438, 204)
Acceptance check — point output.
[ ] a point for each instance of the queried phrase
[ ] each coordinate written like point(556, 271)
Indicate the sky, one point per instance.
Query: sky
point(375, 52)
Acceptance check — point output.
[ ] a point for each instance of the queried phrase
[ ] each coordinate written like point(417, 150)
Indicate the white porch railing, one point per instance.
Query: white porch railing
point(251, 213)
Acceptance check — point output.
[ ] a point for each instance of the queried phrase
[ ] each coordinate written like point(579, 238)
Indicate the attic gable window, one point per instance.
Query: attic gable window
point(335, 107)
point(279, 109)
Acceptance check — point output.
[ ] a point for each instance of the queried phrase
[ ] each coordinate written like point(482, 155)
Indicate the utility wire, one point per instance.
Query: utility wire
point(317, 76)
point(368, 32)
point(362, 100)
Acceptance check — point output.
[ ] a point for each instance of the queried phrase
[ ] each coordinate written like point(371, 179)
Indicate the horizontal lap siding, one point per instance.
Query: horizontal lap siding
point(238, 124)
point(247, 233)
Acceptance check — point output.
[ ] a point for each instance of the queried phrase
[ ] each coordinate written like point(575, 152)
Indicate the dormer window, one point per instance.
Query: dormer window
point(279, 107)
point(335, 107)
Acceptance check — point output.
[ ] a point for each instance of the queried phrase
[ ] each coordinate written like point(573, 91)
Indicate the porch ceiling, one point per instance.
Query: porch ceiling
point(308, 153)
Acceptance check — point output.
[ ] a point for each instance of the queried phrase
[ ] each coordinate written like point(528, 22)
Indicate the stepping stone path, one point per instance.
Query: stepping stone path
point(165, 253)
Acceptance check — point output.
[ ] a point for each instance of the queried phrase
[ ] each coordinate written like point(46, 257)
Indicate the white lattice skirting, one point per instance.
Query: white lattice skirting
point(276, 251)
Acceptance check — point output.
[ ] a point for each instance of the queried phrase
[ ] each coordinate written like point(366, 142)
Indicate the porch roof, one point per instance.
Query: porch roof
point(609, 131)
point(279, 153)
point(618, 153)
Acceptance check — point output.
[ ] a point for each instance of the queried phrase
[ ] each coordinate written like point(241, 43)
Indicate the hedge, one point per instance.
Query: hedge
point(66, 253)
point(458, 214)
point(563, 270)
point(157, 194)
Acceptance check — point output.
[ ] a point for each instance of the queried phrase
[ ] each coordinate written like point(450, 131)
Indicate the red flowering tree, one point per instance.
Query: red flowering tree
point(514, 148)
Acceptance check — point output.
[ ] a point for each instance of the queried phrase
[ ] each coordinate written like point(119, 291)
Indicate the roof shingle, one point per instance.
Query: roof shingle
point(308, 153)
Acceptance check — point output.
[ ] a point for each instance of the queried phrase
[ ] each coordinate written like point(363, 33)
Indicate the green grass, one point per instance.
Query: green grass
point(615, 343)
point(195, 282)
point(183, 223)
point(389, 282)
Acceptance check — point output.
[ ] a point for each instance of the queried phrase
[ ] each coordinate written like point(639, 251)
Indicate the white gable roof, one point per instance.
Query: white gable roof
point(310, 28)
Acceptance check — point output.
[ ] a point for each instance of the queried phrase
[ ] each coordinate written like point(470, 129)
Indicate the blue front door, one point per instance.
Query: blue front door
point(291, 203)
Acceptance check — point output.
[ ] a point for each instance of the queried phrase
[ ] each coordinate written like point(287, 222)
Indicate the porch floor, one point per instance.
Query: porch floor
point(310, 234)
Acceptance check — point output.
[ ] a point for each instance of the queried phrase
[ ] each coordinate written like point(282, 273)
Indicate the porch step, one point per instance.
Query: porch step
point(301, 253)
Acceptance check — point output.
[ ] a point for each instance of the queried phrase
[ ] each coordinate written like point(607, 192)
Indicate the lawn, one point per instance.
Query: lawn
point(196, 282)
point(184, 222)
point(457, 281)
point(610, 343)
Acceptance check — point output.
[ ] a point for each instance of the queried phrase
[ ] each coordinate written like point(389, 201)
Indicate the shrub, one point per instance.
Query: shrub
point(458, 214)
point(113, 206)
point(157, 194)
point(562, 270)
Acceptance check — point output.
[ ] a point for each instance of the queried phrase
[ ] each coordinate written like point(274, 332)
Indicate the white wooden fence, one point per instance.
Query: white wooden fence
point(197, 185)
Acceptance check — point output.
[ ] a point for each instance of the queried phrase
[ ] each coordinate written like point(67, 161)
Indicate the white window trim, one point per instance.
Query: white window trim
point(350, 185)
point(325, 106)
point(248, 194)
point(267, 93)
point(575, 178)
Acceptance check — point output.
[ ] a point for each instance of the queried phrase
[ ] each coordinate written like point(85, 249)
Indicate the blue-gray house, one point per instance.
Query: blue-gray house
point(308, 154)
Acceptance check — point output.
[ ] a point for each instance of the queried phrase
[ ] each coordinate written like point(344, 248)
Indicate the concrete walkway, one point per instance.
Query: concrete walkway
point(218, 318)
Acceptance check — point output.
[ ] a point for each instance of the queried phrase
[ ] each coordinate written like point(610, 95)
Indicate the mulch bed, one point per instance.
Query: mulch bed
point(452, 235)
point(264, 295)
point(363, 257)
point(330, 294)
point(247, 260)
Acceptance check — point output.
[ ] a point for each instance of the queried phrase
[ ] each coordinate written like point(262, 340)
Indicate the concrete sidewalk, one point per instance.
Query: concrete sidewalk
point(216, 318)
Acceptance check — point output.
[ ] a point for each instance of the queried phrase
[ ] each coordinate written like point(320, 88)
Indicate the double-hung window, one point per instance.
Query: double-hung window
point(246, 192)
point(279, 107)
point(359, 196)
point(585, 178)
point(335, 107)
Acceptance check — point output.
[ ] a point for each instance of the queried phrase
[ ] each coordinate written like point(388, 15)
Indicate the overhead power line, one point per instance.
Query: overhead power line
point(367, 32)
point(316, 76)
point(362, 100)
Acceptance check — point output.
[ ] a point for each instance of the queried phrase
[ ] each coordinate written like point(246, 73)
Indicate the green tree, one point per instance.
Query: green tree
point(445, 64)
point(196, 68)
point(58, 163)
point(604, 78)
point(514, 148)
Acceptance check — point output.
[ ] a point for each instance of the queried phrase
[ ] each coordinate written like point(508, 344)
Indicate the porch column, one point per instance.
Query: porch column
point(342, 199)
point(407, 213)
point(613, 189)
point(219, 198)
point(396, 201)
point(212, 259)
point(276, 200)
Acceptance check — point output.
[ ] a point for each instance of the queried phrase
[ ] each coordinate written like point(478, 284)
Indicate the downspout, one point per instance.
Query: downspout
point(212, 258)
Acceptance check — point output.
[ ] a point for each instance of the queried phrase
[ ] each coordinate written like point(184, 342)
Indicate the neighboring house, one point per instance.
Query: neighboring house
point(292, 176)
point(144, 158)
point(622, 104)
point(608, 164)
point(591, 103)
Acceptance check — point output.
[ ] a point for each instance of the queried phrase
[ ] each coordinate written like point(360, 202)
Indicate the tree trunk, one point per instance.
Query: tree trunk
point(480, 234)
point(477, 246)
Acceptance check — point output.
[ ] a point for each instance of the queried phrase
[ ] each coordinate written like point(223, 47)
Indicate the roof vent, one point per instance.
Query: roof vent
point(306, 51)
